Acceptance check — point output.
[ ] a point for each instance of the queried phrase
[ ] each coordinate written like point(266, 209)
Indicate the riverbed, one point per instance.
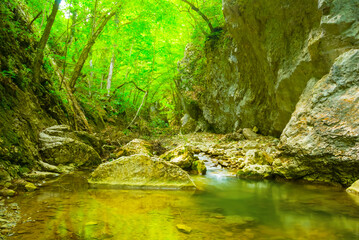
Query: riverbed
point(224, 207)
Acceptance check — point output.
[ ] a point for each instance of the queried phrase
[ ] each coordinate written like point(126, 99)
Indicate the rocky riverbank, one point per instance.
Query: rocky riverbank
point(249, 155)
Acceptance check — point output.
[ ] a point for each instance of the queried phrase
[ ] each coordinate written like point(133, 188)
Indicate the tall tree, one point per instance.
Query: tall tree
point(85, 51)
point(112, 64)
point(110, 73)
point(91, 60)
point(44, 38)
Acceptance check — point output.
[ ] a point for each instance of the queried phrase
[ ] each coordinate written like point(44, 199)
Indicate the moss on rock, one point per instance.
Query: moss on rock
point(140, 171)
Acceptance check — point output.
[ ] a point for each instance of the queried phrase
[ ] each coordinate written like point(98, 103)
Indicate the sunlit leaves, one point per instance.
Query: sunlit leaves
point(147, 38)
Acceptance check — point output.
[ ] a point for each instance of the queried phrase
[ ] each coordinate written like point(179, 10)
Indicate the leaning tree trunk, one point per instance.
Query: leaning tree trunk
point(45, 36)
point(79, 116)
point(85, 52)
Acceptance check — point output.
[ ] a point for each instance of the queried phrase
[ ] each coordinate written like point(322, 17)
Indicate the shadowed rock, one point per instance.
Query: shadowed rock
point(60, 146)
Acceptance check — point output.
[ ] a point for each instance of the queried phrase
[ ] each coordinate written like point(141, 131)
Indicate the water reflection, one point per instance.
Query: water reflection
point(225, 209)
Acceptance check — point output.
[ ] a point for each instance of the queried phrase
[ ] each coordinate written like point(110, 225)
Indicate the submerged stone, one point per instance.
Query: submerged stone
point(184, 228)
point(140, 171)
point(239, 221)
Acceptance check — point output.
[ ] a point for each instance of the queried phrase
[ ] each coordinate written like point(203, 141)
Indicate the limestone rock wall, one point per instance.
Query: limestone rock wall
point(323, 132)
point(254, 71)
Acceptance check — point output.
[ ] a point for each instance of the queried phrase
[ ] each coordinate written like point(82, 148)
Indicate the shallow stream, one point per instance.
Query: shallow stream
point(226, 208)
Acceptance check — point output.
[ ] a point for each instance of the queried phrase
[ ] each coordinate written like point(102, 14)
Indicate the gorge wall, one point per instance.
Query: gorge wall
point(26, 106)
point(290, 68)
point(253, 72)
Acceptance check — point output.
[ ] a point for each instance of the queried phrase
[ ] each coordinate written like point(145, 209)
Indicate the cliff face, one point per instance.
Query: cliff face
point(323, 133)
point(291, 69)
point(254, 71)
point(26, 106)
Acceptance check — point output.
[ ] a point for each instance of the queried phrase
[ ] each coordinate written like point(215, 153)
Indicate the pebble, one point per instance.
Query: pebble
point(184, 228)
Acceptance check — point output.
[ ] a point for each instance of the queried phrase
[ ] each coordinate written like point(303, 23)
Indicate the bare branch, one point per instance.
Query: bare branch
point(33, 20)
point(201, 14)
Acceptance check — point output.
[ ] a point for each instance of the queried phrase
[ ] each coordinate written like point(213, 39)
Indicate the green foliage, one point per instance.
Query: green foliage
point(126, 132)
point(7, 73)
point(146, 39)
point(158, 123)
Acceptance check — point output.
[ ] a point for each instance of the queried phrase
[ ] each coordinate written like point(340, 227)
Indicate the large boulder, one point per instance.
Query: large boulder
point(323, 132)
point(140, 171)
point(183, 156)
point(59, 146)
point(136, 146)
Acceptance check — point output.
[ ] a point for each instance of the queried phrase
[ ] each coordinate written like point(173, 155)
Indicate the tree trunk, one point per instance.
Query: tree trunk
point(110, 73)
point(45, 36)
point(85, 52)
point(102, 80)
point(79, 116)
point(90, 79)
point(139, 109)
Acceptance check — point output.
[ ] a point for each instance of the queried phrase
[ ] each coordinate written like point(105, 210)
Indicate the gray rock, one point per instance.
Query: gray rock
point(136, 146)
point(324, 131)
point(61, 146)
point(252, 77)
point(37, 175)
point(49, 168)
point(256, 156)
point(249, 134)
point(188, 124)
point(183, 156)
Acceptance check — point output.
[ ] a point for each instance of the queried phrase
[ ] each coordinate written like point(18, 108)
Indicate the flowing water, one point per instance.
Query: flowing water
point(225, 208)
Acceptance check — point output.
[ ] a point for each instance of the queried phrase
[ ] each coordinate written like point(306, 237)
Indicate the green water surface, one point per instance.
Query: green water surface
point(226, 208)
